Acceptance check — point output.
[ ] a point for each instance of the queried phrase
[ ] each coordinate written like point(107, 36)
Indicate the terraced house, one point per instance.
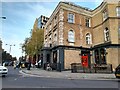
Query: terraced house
point(74, 32)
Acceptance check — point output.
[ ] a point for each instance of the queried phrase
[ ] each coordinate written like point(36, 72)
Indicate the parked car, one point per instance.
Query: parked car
point(3, 71)
point(117, 71)
point(6, 63)
point(22, 64)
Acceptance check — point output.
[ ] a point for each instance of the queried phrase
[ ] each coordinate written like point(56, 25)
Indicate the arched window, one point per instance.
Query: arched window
point(106, 33)
point(71, 36)
point(88, 38)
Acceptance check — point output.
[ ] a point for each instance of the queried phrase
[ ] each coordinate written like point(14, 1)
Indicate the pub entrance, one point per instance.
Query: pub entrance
point(85, 59)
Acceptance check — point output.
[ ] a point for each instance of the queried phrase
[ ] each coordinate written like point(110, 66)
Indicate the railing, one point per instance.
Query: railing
point(77, 68)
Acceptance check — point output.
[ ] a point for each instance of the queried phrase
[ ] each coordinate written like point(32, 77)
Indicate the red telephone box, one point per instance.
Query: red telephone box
point(84, 61)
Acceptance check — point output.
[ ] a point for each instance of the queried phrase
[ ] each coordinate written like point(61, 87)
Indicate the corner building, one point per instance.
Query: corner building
point(73, 31)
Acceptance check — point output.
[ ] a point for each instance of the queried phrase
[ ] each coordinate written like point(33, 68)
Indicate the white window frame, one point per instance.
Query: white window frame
point(105, 15)
point(118, 11)
point(71, 36)
point(88, 39)
point(71, 18)
point(88, 22)
point(106, 34)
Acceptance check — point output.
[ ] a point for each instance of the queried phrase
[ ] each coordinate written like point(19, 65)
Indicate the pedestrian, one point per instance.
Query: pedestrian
point(20, 64)
point(29, 65)
point(14, 64)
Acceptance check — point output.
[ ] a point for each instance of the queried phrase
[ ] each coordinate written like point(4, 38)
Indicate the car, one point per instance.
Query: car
point(117, 71)
point(6, 63)
point(3, 71)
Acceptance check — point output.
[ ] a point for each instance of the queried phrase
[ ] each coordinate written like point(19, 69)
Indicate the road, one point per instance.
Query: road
point(17, 80)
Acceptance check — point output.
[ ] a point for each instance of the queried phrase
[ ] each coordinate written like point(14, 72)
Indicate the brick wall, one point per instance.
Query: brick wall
point(71, 56)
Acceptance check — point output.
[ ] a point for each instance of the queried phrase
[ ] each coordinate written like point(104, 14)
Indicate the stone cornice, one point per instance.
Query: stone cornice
point(99, 8)
point(78, 9)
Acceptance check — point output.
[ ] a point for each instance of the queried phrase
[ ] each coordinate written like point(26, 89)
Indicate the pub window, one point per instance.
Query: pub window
point(118, 11)
point(55, 57)
point(105, 14)
point(106, 33)
point(71, 18)
point(87, 20)
point(102, 53)
point(100, 56)
point(88, 38)
point(97, 61)
point(71, 36)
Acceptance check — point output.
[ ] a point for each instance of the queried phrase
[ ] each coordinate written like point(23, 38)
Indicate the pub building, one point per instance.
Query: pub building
point(81, 36)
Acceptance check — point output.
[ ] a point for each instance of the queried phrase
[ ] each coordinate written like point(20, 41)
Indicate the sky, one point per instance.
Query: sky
point(20, 17)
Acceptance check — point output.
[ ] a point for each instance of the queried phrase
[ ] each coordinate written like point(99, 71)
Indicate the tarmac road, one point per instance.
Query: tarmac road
point(18, 80)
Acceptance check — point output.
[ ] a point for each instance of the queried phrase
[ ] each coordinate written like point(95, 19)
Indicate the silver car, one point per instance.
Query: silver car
point(3, 71)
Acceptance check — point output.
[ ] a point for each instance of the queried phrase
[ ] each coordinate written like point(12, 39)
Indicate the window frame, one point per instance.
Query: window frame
point(106, 35)
point(105, 14)
point(118, 11)
point(71, 36)
point(71, 18)
point(88, 22)
point(88, 39)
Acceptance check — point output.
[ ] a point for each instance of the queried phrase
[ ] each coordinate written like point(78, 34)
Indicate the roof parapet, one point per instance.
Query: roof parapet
point(73, 4)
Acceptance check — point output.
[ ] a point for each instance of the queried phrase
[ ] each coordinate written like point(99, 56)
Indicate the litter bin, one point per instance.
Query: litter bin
point(73, 68)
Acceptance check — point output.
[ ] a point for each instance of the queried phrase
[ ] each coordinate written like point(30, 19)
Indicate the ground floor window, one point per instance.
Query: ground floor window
point(100, 56)
point(48, 58)
point(55, 57)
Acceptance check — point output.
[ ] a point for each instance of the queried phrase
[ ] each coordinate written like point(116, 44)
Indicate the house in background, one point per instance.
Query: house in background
point(73, 31)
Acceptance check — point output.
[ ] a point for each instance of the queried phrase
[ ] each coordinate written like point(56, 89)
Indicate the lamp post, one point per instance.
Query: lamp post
point(3, 17)
point(10, 47)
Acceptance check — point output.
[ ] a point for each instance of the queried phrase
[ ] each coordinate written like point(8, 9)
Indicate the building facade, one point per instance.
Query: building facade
point(73, 32)
point(42, 20)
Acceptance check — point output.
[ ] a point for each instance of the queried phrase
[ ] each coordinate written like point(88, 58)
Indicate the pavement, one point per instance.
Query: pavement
point(67, 74)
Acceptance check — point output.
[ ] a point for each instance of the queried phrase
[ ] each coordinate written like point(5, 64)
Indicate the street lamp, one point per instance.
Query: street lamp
point(3, 17)
point(10, 47)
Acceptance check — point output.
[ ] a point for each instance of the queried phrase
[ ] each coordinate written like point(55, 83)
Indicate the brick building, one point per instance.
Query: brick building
point(73, 31)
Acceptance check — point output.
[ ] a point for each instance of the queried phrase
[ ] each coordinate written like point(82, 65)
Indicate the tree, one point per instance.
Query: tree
point(34, 44)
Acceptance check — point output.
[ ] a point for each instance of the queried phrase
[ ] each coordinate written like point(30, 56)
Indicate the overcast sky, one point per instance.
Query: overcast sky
point(20, 17)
